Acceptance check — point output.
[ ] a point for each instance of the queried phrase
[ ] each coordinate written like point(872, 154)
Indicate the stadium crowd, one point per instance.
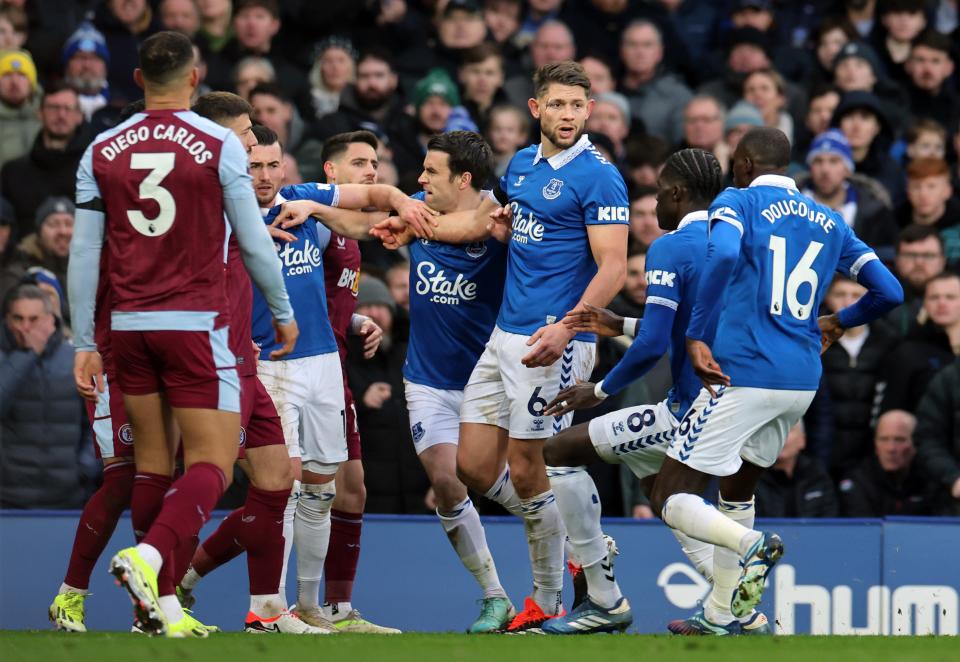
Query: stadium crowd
point(865, 89)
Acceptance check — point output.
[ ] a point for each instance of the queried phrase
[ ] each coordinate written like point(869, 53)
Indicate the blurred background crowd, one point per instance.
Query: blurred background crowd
point(865, 89)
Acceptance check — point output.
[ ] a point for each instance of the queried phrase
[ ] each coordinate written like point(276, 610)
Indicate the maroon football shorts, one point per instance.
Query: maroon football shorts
point(112, 434)
point(259, 421)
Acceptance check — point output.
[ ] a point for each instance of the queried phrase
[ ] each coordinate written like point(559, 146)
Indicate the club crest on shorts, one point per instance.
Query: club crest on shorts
point(552, 190)
point(125, 433)
point(417, 431)
point(477, 249)
point(243, 435)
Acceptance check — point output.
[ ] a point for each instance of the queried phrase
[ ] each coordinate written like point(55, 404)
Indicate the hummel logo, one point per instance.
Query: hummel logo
point(519, 180)
point(246, 519)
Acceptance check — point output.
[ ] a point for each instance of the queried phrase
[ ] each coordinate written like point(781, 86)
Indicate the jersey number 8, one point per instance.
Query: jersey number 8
point(801, 274)
point(160, 164)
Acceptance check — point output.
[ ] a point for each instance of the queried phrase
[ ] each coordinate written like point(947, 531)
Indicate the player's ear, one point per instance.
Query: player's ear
point(138, 78)
point(465, 179)
point(534, 106)
point(590, 104)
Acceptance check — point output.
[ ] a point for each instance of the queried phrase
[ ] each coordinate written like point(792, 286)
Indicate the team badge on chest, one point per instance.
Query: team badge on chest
point(552, 190)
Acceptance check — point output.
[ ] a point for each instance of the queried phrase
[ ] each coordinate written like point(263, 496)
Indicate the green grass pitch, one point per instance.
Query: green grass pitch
point(237, 647)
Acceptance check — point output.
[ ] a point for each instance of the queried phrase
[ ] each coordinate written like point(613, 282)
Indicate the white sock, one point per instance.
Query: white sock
point(171, 608)
point(267, 606)
point(66, 588)
point(466, 534)
point(311, 534)
point(579, 506)
point(190, 579)
point(700, 553)
point(698, 519)
point(545, 534)
point(151, 556)
point(337, 611)
point(505, 494)
point(288, 516)
point(726, 565)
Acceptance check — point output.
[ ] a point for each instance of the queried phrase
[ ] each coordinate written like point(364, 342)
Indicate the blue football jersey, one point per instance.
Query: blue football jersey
point(673, 267)
point(767, 335)
point(553, 201)
point(302, 264)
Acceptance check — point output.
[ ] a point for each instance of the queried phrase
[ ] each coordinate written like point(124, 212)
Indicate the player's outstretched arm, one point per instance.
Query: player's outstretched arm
point(415, 214)
point(346, 222)
point(463, 227)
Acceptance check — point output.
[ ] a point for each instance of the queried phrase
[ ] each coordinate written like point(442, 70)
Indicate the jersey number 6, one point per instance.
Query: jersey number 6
point(802, 273)
point(159, 164)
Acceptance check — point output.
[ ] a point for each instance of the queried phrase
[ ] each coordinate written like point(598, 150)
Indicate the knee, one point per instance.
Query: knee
point(473, 477)
point(449, 492)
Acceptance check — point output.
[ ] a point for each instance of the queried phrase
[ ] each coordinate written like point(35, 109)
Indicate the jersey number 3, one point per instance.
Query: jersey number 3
point(159, 164)
point(801, 274)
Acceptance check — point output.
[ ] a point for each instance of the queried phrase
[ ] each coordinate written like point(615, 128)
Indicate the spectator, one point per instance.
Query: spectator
point(334, 68)
point(19, 103)
point(833, 33)
point(862, 202)
point(857, 69)
point(695, 22)
point(47, 281)
point(216, 24)
point(926, 139)
point(852, 368)
point(766, 90)
point(703, 120)
point(398, 282)
point(630, 300)
point(889, 482)
point(181, 16)
point(250, 72)
point(48, 247)
point(600, 73)
point(863, 121)
point(274, 109)
point(823, 102)
point(902, 21)
point(611, 117)
point(938, 436)
point(482, 78)
point(42, 417)
point(862, 15)
point(657, 98)
point(433, 99)
point(930, 66)
point(919, 257)
point(645, 158)
point(796, 485)
point(13, 28)
point(553, 42)
point(644, 227)
point(124, 25)
point(395, 481)
point(740, 119)
point(373, 103)
point(502, 18)
point(459, 28)
point(507, 132)
point(928, 347)
point(539, 12)
point(50, 167)
point(747, 50)
point(85, 62)
point(930, 200)
point(7, 221)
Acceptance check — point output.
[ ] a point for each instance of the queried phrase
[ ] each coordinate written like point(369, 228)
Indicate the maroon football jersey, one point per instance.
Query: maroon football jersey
point(341, 272)
point(161, 180)
point(240, 296)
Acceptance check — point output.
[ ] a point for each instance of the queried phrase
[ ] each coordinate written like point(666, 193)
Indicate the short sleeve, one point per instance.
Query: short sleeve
point(234, 179)
point(728, 208)
point(854, 253)
point(605, 200)
point(87, 188)
point(324, 194)
point(664, 273)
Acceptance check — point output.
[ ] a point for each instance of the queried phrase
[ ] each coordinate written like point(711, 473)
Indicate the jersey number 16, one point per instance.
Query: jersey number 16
point(801, 274)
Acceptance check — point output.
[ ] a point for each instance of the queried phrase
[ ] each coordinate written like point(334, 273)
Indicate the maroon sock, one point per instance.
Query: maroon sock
point(97, 522)
point(222, 546)
point(186, 508)
point(261, 533)
point(340, 567)
point(166, 584)
point(146, 501)
point(182, 557)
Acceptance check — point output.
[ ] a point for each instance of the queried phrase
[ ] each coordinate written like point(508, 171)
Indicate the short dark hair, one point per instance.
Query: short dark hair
point(904, 6)
point(568, 73)
point(640, 191)
point(266, 136)
point(27, 291)
point(767, 146)
point(269, 89)
point(57, 87)
point(700, 172)
point(915, 232)
point(822, 90)
point(220, 106)
point(946, 274)
point(164, 56)
point(467, 152)
point(338, 144)
point(935, 41)
point(376, 53)
point(482, 53)
point(925, 125)
point(271, 6)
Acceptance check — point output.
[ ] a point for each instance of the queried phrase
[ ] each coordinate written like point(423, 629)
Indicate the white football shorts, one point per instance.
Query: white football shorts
point(434, 415)
point(308, 395)
point(740, 422)
point(503, 392)
point(637, 437)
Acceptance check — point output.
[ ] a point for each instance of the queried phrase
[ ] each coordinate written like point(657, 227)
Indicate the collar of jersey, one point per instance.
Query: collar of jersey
point(277, 201)
point(774, 180)
point(561, 159)
point(693, 217)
